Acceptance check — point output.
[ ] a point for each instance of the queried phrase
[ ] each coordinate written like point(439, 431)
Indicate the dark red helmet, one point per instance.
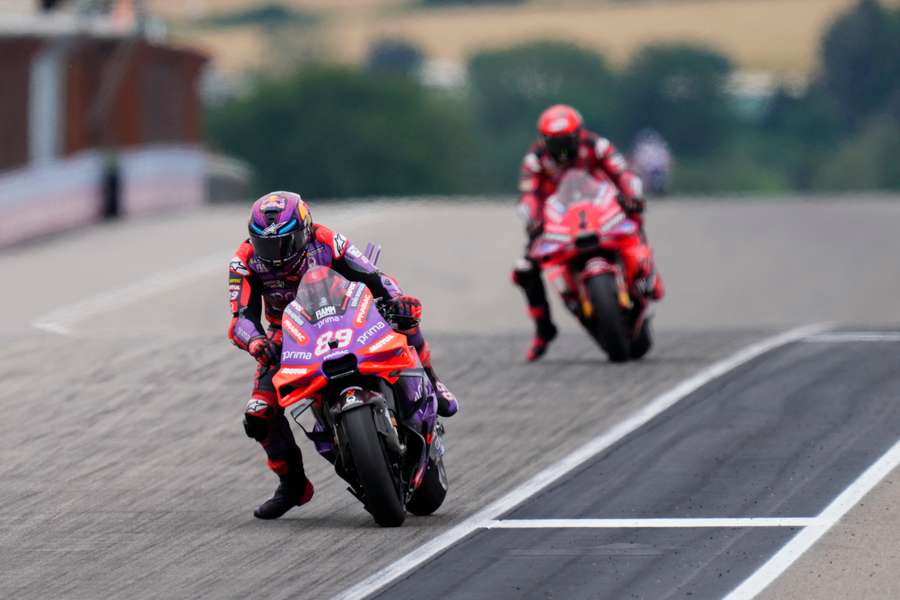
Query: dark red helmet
point(280, 227)
point(560, 127)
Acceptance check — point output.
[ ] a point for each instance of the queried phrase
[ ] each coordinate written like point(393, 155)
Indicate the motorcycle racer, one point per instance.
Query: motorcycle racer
point(263, 277)
point(565, 144)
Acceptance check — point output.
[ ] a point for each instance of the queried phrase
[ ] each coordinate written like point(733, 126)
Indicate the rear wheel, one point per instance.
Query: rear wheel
point(380, 492)
point(430, 494)
point(607, 318)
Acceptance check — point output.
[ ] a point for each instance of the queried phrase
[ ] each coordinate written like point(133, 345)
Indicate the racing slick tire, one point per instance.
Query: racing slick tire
point(642, 342)
point(380, 492)
point(607, 319)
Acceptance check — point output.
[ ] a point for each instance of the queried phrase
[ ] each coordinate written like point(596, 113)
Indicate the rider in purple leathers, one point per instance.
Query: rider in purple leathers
point(263, 278)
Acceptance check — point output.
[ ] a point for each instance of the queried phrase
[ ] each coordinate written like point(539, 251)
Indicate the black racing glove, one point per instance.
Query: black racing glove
point(264, 350)
point(632, 205)
point(404, 312)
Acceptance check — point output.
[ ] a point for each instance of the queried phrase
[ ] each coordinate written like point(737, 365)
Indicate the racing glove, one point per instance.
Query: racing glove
point(633, 205)
point(404, 312)
point(264, 350)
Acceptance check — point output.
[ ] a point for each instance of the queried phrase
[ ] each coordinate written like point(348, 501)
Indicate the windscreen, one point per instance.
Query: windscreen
point(578, 186)
point(323, 293)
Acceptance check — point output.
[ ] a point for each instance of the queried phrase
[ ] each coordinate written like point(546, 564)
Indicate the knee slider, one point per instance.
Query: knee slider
point(257, 419)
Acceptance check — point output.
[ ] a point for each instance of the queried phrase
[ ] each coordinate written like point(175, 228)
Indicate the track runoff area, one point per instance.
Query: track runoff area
point(711, 490)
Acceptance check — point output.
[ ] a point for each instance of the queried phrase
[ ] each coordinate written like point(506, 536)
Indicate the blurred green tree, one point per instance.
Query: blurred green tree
point(394, 56)
point(861, 59)
point(510, 88)
point(333, 132)
point(866, 161)
point(800, 131)
point(680, 90)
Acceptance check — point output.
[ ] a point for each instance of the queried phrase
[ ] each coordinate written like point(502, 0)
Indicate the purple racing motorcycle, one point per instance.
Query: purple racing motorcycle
point(374, 408)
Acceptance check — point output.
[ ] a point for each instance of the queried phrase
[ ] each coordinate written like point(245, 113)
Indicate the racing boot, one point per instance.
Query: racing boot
point(292, 491)
point(447, 403)
point(545, 332)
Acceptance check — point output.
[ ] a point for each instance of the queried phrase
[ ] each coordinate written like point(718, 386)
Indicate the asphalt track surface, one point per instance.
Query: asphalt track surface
point(124, 470)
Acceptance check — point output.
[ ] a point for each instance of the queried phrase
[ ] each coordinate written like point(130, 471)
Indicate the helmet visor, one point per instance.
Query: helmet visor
point(279, 247)
point(562, 147)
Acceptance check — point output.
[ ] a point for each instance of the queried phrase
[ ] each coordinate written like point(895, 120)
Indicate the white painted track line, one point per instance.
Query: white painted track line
point(854, 336)
point(648, 523)
point(62, 319)
point(802, 542)
point(552, 473)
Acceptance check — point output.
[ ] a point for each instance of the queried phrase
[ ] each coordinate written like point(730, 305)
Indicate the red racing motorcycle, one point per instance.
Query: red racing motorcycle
point(585, 230)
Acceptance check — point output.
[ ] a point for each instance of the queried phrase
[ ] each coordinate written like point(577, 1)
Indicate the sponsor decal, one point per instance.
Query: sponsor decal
point(326, 311)
point(256, 406)
point(390, 284)
point(272, 229)
point(382, 342)
point(556, 205)
point(363, 311)
point(294, 314)
point(294, 331)
point(234, 280)
point(351, 398)
point(354, 251)
point(238, 266)
point(612, 222)
point(295, 370)
point(327, 321)
point(272, 202)
point(242, 335)
point(257, 265)
point(340, 244)
point(274, 283)
point(559, 124)
point(371, 331)
point(296, 355)
point(356, 290)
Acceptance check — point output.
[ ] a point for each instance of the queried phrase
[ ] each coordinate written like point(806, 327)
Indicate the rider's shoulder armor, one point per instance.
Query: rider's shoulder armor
point(333, 240)
point(240, 262)
point(599, 144)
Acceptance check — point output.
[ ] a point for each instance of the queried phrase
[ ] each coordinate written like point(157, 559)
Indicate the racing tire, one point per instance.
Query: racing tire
point(642, 342)
point(430, 494)
point(608, 320)
point(382, 498)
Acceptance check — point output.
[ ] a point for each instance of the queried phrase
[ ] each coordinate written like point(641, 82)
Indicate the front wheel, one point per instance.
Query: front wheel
point(607, 319)
point(643, 341)
point(373, 471)
point(430, 494)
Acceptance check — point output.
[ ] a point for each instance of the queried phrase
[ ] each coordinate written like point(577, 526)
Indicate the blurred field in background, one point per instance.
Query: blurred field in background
point(352, 98)
point(759, 35)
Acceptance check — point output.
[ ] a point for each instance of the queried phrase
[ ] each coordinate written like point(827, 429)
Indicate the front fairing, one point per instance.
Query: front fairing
point(327, 332)
point(583, 215)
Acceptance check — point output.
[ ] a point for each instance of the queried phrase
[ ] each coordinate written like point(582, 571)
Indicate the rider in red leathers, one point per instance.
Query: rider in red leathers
point(262, 280)
point(565, 144)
